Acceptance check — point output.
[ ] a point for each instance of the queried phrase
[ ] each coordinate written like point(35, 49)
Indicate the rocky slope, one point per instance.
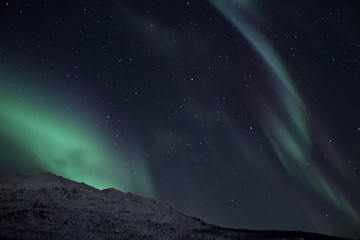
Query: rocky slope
point(46, 206)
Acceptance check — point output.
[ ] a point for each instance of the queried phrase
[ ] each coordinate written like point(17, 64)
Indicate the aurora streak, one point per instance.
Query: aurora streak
point(45, 141)
point(293, 143)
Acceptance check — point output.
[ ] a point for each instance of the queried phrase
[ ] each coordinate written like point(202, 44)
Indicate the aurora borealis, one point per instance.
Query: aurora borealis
point(64, 148)
point(294, 153)
point(243, 113)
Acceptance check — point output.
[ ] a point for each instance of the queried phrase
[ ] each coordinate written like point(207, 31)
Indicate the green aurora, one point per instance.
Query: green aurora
point(35, 139)
point(293, 143)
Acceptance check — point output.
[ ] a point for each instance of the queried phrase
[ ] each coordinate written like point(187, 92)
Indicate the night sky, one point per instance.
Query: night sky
point(243, 113)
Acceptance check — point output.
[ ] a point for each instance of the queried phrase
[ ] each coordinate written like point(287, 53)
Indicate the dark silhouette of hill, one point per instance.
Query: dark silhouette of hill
point(46, 206)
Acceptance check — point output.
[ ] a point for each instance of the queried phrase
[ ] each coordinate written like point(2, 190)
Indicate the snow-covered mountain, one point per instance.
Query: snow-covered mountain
point(46, 206)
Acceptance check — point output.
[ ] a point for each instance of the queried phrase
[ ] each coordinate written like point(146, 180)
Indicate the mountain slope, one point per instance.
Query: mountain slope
point(46, 206)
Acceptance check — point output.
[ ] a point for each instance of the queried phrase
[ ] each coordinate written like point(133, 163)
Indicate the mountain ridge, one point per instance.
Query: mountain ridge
point(47, 206)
